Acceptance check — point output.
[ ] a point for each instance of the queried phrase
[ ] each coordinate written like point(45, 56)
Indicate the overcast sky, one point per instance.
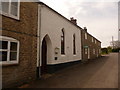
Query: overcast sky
point(99, 16)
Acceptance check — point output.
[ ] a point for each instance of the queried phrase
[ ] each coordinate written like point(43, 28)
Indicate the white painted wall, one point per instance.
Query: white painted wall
point(51, 25)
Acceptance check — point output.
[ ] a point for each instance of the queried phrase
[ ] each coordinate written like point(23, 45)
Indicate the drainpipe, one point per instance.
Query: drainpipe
point(39, 42)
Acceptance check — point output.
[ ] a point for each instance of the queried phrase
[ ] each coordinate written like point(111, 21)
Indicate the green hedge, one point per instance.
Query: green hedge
point(116, 50)
point(104, 51)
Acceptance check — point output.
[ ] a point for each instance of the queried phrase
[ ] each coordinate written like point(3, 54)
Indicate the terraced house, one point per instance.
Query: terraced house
point(37, 40)
point(91, 47)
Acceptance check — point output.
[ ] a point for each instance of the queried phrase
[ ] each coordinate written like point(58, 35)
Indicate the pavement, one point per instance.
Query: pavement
point(98, 73)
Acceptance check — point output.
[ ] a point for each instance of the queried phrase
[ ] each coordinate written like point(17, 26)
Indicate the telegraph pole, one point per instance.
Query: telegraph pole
point(112, 42)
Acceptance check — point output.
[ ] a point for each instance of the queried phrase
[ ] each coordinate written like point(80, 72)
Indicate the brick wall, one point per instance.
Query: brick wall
point(24, 30)
point(92, 45)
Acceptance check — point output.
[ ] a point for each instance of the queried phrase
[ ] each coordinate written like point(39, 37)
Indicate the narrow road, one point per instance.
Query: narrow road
point(99, 73)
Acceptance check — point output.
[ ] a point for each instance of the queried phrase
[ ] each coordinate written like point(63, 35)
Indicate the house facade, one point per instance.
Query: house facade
point(91, 47)
point(19, 43)
point(37, 40)
point(62, 38)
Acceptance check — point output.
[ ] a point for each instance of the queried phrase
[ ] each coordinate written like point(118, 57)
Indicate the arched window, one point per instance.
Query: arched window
point(62, 42)
point(74, 46)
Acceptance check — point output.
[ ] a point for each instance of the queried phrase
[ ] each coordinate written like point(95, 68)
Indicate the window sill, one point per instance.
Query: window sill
point(10, 16)
point(8, 63)
point(63, 55)
point(74, 55)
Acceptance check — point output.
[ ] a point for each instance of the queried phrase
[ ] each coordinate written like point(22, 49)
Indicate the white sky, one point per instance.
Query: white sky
point(99, 16)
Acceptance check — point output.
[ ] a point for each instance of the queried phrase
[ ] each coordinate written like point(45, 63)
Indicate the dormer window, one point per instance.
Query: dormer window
point(10, 8)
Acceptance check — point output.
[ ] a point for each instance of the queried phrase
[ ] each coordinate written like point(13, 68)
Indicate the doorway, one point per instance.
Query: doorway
point(88, 53)
point(44, 57)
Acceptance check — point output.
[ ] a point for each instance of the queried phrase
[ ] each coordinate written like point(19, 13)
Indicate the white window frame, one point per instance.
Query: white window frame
point(9, 11)
point(95, 41)
point(92, 39)
point(86, 51)
point(85, 35)
point(93, 51)
point(9, 39)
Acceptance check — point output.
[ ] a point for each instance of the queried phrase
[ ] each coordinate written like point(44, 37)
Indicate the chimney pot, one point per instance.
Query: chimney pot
point(85, 29)
point(73, 20)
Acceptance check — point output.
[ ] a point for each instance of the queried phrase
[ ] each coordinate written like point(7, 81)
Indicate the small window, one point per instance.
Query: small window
point(4, 45)
point(85, 50)
point(99, 51)
point(14, 8)
point(3, 55)
point(13, 51)
point(10, 8)
point(99, 44)
point(95, 41)
point(93, 51)
point(85, 35)
point(5, 7)
point(9, 50)
point(62, 42)
point(74, 45)
point(92, 39)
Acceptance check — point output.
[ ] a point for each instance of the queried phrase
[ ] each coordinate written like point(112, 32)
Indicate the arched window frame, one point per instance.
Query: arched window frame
point(10, 41)
point(62, 41)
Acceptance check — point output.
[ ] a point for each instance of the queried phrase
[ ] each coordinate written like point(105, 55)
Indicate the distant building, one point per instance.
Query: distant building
point(91, 47)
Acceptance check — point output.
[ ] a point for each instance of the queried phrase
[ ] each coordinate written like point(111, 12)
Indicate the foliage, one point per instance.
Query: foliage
point(109, 50)
point(104, 51)
point(116, 50)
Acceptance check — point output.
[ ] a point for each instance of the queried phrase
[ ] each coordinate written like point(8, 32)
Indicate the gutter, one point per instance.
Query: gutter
point(39, 42)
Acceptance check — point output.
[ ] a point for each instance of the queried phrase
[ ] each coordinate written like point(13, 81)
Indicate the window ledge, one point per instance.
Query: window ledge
point(74, 55)
point(63, 55)
point(9, 63)
point(10, 16)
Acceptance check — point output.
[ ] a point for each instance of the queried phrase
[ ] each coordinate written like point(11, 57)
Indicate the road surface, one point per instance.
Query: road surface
point(99, 73)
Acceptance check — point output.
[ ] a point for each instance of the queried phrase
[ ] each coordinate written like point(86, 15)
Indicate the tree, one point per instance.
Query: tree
point(104, 51)
point(109, 49)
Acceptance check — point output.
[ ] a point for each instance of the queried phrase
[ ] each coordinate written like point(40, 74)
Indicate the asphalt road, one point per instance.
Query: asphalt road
point(99, 73)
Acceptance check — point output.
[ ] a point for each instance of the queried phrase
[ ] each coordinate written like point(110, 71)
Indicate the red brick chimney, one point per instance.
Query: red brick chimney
point(73, 20)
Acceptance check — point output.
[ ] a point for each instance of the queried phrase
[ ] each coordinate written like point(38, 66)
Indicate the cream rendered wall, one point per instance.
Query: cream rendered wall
point(51, 25)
